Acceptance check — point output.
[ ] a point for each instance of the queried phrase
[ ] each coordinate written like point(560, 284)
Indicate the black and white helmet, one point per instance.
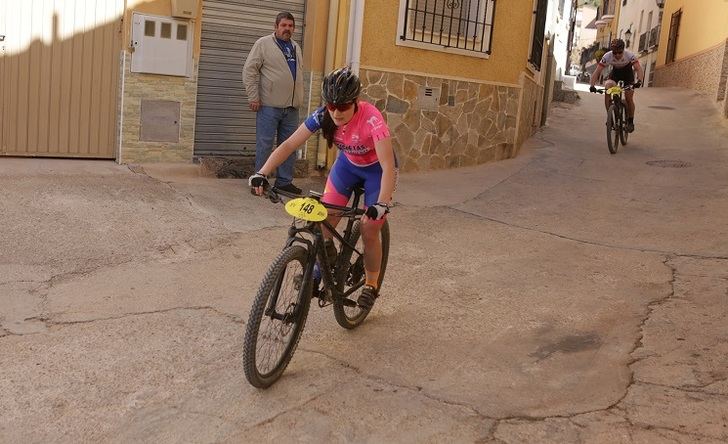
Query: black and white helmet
point(340, 86)
point(617, 44)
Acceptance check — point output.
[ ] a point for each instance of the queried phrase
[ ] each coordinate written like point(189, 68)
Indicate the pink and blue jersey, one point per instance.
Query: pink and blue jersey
point(356, 139)
point(359, 165)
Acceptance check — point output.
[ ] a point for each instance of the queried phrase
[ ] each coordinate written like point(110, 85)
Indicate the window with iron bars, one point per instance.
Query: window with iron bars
point(460, 26)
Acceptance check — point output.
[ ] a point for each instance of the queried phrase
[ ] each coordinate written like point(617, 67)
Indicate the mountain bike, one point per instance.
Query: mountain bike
point(281, 305)
point(616, 116)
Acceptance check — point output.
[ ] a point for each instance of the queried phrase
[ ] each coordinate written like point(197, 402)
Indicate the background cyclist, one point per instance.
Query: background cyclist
point(624, 67)
point(366, 158)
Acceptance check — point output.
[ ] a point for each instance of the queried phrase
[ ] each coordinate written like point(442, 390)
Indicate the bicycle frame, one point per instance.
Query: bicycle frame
point(616, 92)
point(316, 251)
point(616, 115)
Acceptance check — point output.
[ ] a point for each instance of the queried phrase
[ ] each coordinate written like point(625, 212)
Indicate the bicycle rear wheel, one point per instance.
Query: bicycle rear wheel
point(612, 129)
point(277, 318)
point(351, 274)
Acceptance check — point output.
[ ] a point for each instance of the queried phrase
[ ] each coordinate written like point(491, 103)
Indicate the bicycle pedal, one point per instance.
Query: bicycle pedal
point(348, 302)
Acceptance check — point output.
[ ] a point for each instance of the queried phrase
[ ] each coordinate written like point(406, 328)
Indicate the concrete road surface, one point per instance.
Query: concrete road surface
point(567, 295)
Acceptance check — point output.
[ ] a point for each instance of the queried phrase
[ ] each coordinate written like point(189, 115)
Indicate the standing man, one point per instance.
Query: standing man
point(274, 83)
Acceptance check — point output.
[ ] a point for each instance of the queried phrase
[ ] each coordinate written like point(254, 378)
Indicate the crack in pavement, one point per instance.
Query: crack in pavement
point(481, 415)
point(6, 333)
point(582, 241)
point(224, 240)
point(689, 389)
point(50, 322)
point(138, 170)
point(650, 310)
point(22, 281)
point(204, 414)
point(61, 277)
point(662, 434)
point(613, 408)
point(679, 432)
point(414, 389)
point(291, 409)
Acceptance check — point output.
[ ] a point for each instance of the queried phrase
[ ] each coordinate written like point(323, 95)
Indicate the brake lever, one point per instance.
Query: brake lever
point(273, 196)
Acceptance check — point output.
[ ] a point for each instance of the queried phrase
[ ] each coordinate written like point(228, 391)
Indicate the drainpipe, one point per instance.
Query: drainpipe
point(321, 148)
point(356, 25)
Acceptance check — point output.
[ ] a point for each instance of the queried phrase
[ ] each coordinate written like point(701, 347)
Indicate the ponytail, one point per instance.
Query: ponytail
point(328, 128)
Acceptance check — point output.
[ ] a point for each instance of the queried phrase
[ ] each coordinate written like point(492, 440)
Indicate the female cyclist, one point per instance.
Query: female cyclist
point(359, 131)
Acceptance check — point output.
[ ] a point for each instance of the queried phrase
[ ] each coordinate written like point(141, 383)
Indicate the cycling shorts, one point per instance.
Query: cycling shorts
point(345, 176)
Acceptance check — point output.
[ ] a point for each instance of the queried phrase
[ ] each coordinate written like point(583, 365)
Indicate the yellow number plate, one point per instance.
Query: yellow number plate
point(614, 90)
point(307, 209)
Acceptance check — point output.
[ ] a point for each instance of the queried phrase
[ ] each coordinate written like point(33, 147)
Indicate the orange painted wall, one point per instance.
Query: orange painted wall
point(511, 38)
point(703, 25)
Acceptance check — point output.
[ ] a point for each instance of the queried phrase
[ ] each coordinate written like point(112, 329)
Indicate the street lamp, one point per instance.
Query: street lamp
point(627, 35)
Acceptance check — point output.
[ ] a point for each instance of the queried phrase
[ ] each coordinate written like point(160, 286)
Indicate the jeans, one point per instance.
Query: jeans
point(269, 123)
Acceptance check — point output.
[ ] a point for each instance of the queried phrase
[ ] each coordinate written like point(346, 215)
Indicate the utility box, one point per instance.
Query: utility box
point(184, 9)
point(428, 98)
point(160, 121)
point(161, 45)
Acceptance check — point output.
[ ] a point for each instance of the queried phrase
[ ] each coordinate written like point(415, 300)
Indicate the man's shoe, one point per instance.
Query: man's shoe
point(630, 127)
point(290, 188)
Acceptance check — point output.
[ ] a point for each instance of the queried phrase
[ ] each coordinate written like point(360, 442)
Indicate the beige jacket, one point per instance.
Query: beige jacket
point(267, 78)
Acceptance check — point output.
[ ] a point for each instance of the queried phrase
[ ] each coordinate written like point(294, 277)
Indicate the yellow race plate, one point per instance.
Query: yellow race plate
point(307, 209)
point(614, 90)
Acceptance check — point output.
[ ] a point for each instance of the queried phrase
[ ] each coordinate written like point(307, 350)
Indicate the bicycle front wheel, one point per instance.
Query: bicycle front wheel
point(351, 274)
point(623, 134)
point(612, 129)
point(277, 318)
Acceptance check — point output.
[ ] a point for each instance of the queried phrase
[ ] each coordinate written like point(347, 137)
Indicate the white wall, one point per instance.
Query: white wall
point(634, 16)
point(557, 27)
point(583, 36)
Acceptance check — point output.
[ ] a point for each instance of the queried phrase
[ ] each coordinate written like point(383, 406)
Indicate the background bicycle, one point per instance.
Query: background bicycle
point(616, 116)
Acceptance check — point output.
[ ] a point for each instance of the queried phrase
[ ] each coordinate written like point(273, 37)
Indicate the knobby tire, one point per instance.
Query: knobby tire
point(623, 134)
point(612, 129)
point(285, 275)
point(352, 317)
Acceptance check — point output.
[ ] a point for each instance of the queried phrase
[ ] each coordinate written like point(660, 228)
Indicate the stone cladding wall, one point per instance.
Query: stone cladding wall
point(473, 123)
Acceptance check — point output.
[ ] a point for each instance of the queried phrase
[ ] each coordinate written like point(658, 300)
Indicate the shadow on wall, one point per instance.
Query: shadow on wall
point(59, 76)
point(59, 97)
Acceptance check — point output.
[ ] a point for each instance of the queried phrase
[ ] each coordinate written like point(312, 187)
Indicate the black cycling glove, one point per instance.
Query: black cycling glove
point(377, 211)
point(258, 180)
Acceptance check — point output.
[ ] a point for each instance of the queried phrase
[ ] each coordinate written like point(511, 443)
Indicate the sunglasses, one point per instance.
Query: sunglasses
point(342, 107)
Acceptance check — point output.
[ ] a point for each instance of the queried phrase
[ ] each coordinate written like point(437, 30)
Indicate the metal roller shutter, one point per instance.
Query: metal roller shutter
point(224, 125)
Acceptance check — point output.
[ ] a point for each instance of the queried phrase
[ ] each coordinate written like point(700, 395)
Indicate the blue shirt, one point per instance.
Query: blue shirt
point(289, 52)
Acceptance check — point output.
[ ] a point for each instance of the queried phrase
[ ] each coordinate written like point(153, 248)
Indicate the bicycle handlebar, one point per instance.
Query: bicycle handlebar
point(624, 88)
point(274, 194)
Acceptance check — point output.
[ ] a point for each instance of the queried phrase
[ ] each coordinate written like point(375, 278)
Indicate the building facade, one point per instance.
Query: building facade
point(639, 26)
point(693, 48)
point(453, 101)
point(585, 34)
point(459, 82)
